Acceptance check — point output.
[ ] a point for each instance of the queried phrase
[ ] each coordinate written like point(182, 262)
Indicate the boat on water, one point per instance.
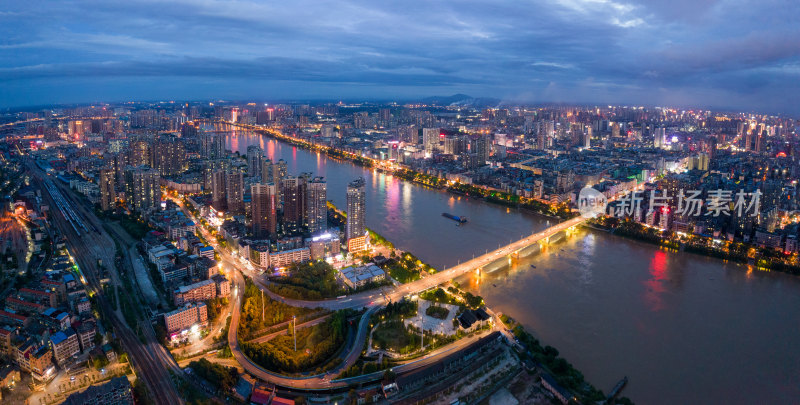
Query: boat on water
point(456, 218)
point(617, 388)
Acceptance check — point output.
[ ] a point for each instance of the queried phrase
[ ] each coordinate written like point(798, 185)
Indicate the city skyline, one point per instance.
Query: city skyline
point(712, 54)
point(444, 202)
point(436, 217)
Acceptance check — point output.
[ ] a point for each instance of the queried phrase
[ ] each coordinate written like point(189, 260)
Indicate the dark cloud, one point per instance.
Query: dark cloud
point(275, 68)
point(730, 53)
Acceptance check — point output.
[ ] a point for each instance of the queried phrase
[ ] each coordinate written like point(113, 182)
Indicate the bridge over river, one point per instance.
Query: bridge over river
point(486, 262)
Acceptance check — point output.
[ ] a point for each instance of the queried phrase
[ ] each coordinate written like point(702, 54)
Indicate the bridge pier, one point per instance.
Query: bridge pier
point(544, 242)
point(513, 257)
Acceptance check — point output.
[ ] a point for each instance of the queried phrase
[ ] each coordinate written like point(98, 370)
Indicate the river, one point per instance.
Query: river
point(684, 328)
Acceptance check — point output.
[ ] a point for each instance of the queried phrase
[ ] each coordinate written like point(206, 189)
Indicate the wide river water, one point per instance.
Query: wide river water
point(686, 329)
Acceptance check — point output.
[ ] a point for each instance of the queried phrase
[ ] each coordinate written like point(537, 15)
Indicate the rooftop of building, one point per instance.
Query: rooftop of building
point(362, 273)
point(6, 370)
point(91, 394)
point(186, 288)
point(184, 308)
point(555, 385)
point(61, 336)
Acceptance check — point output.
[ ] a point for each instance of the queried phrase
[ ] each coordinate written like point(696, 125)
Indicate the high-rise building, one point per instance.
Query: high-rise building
point(414, 135)
point(712, 147)
point(362, 120)
point(142, 188)
point(108, 195)
point(659, 136)
point(748, 139)
point(139, 153)
point(356, 209)
point(234, 192)
point(293, 191)
point(212, 145)
point(211, 166)
point(454, 145)
point(266, 171)
point(565, 179)
point(169, 156)
point(394, 150)
point(120, 162)
point(615, 128)
point(545, 131)
point(255, 158)
point(385, 115)
point(277, 171)
point(587, 137)
point(76, 129)
point(265, 117)
point(219, 146)
point(264, 210)
point(430, 139)
point(188, 130)
point(206, 145)
point(219, 186)
point(317, 205)
point(758, 143)
point(232, 114)
point(479, 145)
point(699, 162)
point(409, 134)
point(327, 131)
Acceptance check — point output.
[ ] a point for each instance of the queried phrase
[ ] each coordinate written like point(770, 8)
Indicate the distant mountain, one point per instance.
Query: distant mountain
point(461, 100)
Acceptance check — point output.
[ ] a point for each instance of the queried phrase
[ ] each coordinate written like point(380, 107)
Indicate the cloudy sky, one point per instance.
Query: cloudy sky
point(695, 53)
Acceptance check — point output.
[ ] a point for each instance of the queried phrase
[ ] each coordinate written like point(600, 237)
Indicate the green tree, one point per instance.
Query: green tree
point(222, 377)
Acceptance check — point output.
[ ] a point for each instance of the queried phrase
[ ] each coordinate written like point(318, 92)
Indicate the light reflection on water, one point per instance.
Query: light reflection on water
point(411, 214)
point(685, 328)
